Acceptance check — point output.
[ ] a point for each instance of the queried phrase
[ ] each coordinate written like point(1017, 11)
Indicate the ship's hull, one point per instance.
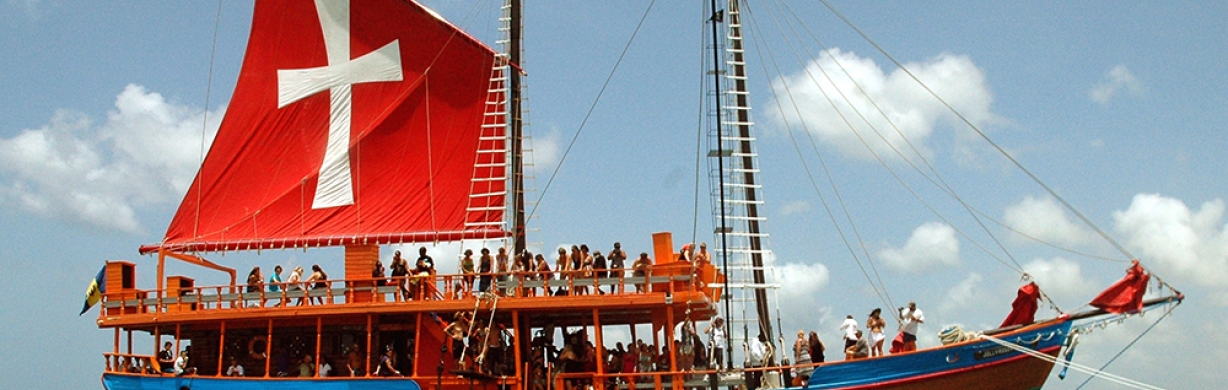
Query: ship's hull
point(139, 382)
point(978, 364)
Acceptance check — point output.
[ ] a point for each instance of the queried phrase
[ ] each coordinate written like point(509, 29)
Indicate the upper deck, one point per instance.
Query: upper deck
point(623, 297)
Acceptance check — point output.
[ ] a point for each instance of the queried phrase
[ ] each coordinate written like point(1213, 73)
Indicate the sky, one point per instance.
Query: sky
point(1118, 107)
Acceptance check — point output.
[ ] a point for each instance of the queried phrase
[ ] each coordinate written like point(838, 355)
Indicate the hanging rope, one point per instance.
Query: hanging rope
point(591, 108)
point(1078, 367)
point(204, 125)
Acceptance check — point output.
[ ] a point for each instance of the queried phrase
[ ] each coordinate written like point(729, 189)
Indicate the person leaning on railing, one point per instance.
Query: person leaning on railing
point(641, 269)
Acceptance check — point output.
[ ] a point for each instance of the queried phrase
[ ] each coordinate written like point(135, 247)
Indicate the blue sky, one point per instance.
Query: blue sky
point(1117, 106)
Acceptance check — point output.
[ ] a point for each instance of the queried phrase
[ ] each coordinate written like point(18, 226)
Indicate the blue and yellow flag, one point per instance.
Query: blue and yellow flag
point(93, 294)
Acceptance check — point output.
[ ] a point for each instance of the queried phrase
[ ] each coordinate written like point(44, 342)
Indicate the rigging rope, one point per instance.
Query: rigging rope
point(1078, 367)
point(982, 134)
point(876, 286)
point(1127, 347)
point(204, 125)
point(589, 114)
point(1017, 268)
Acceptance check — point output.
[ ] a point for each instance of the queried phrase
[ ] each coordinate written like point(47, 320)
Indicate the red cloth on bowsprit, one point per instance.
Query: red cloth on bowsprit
point(1023, 310)
point(1125, 296)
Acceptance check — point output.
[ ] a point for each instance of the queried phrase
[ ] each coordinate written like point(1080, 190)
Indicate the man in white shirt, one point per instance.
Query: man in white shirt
point(234, 369)
point(758, 352)
point(849, 327)
point(910, 318)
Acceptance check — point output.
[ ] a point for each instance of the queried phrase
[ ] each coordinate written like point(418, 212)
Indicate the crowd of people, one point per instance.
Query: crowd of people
point(859, 345)
point(588, 272)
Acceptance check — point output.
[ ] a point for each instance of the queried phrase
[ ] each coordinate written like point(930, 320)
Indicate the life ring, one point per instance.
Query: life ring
point(251, 347)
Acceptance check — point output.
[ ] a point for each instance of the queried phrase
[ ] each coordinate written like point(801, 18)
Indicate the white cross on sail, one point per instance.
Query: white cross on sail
point(334, 187)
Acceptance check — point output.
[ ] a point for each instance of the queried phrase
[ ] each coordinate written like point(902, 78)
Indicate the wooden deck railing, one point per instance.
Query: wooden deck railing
point(386, 290)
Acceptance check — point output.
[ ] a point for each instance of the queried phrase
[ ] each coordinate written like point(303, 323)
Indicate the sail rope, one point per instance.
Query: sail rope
point(699, 129)
point(941, 183)
point(1128, 346)
point(881, 292)
point(982, 134)
point(1015, 267)
point(204, 125)
point(1078, 367)
point(591, 108)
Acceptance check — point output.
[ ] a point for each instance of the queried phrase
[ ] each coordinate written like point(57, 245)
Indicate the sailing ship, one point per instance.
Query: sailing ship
point(380, 123)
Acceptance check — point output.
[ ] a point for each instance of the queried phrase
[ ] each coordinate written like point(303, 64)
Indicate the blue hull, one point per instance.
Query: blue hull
point(970, 363)
point(136, 382)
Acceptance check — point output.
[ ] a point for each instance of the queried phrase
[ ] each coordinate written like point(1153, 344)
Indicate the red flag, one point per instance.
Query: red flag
point(1125, 296)
point(1023, 310)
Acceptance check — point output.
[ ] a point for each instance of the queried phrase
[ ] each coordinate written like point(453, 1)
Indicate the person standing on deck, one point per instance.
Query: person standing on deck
point(716, 341)
point(599, 268)
point(484, 267)
point(466, 269)
point(543, 273)
point(166, 357)
point(562, 266)
point(876, 325)
point(617, 259)
point(703, 257)
point(642, 267)
point(501, 267)
point(275, 280)
point(910, 317)
point(400, 269)
point(849, 327)
point(756, 359)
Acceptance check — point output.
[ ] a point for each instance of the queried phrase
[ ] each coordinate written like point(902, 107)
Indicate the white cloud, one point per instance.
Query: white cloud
point(1180, 243)
point(547, 149)
point(1061, 279)
point(962, 294)
point(1045, 220)
point(801, 284)
point(913, 110)
point(1116, 80)
point(146, 153)
point(796, 207)
point(931, 245)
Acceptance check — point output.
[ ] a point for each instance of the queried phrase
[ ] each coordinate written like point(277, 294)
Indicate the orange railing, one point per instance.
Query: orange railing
point(389, 290)
point(130, 363)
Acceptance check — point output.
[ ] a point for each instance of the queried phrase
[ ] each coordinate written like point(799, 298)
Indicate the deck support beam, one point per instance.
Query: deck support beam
point(221, 347)
point(600, 383)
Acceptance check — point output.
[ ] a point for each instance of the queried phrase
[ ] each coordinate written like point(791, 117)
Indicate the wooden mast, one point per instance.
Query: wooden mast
point(516, 127)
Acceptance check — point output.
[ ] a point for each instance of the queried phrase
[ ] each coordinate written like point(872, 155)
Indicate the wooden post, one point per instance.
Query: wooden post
point(676, 381)
point(319, 329)
point(368, 359)
point(516, 343)
point(417, 343)
point(268, 349)
point(221, 347)
point(599, 383)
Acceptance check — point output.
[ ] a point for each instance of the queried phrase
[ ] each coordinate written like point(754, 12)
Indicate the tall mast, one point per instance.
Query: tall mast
point(745, 152)
point(516, 126)
point(737, 219)
point(720, 160)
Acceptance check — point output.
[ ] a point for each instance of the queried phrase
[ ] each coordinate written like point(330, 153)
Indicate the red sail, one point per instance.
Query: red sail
point(1023, 310)
point(408, 88)
point(1125, 296)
